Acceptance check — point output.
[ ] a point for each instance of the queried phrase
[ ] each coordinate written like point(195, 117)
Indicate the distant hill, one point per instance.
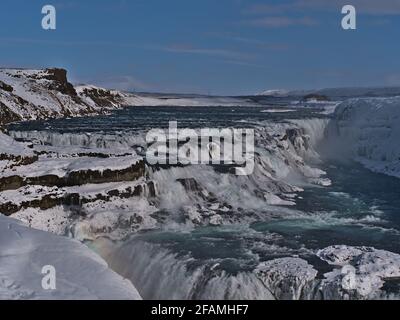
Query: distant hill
point(336, 92)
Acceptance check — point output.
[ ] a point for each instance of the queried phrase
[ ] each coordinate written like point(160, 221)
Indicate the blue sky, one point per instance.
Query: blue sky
point(207, 46)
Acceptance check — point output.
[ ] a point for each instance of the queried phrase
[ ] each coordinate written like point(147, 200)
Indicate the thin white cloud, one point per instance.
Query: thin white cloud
point(371, 7)
point(249, 41)
point(281, 21)
point(218, 52)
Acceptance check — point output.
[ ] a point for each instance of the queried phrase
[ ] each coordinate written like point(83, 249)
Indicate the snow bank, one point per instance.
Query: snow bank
point(368, 130)
point(8, 146)
point(80, 273)
point(61, 167)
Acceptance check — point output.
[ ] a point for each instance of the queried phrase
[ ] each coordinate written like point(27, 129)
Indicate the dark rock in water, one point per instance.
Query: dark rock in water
point(297, 138)
point(6, 87)
point(316, 97)
point(6, 115)
point(190, 184)
point(58, 197)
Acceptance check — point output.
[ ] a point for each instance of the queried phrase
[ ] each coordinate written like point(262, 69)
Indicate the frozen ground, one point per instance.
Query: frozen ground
point(80, 273)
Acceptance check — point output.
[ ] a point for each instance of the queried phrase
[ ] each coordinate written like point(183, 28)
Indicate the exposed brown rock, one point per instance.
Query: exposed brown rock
point(103, 97)
point(59, 76)
point(6, 87)
point(75, 178)
point(6, 115)
point(58, 198)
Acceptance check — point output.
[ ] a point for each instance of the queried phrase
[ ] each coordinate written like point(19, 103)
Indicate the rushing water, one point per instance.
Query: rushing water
point(359, 208)
point(146, 118)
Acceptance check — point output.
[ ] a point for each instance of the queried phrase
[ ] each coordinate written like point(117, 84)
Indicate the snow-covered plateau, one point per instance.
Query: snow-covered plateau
point(40, 94)
point(62, 193)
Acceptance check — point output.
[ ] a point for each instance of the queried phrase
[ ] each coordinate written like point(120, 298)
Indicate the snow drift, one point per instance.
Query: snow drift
point(24, 252)
point(367, 130)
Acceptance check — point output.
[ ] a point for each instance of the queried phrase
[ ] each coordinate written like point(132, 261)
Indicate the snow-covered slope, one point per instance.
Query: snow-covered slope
point(369, 130)
point(275, 93)
point(40, 94)
point(80, 273)
point(10, 147)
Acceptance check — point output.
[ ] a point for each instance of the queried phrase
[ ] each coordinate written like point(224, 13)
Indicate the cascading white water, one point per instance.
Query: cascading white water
point(208, 197)
point(86, 140)
point(161, 274)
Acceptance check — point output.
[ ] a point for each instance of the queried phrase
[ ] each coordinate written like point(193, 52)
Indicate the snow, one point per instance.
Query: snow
point(61, 167)
point(275, 93)
point(114, 220)
point(80, 273)
point(74, 143)
point(88, 191)
point(32, 97)
point(286, 277)
point(362, 269)
point(9, 146)
point(368, 131)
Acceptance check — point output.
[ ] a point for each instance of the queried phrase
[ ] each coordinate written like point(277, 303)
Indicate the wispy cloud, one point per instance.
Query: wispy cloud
point(249, 41)
point(245, 64)
point(298, 12)
point(279, 15)
point(217, 52)
point(371, 7)
point(177, 48)
point(282, 21)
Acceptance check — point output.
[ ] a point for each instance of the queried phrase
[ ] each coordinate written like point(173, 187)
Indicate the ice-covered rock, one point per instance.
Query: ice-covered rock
point(287, 278)
point(40, 94)
point(362, 271)
point(368, 130)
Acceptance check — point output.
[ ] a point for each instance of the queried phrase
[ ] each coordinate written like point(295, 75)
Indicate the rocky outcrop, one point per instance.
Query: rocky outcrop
point(6, 115)
point(42, 94)
point(6, 87)
point(315, 97)
point(287, 278)
point(59, 82)
point(47, 198)
point(101, 97)
point(75, 178)
point(360, 272)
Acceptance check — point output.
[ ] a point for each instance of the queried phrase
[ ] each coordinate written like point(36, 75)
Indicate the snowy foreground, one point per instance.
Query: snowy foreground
point(80, 273)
